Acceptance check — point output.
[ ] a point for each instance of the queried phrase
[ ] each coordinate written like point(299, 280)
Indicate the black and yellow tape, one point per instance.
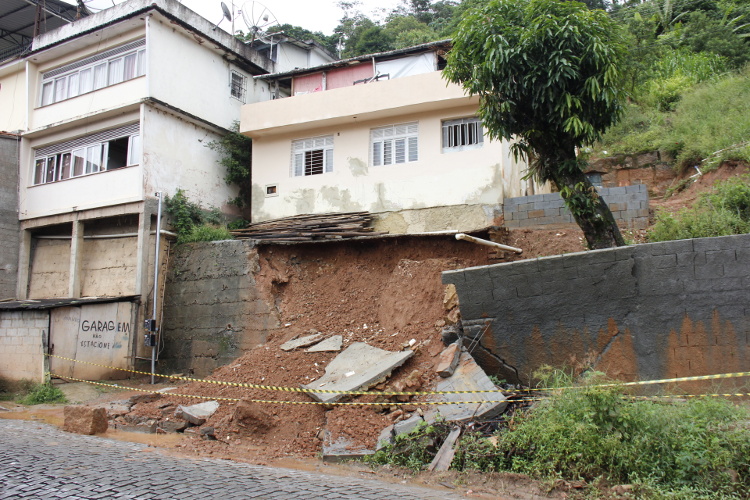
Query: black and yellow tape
point(336, 403)
point(395, 393)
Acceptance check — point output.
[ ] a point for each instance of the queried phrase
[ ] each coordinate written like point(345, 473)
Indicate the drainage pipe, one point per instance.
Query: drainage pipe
point(479, 241)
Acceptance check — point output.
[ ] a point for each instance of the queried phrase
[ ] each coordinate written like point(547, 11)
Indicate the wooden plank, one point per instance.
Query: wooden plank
point(444, 456)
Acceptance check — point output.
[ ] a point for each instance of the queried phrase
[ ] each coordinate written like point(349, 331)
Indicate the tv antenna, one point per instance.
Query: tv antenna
point(258, 19)
point(227, 15)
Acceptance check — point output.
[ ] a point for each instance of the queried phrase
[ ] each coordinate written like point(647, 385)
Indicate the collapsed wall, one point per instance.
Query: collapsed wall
point(651, 311)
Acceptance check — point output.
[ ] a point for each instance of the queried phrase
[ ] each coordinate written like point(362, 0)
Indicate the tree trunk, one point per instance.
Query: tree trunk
point(589, 210)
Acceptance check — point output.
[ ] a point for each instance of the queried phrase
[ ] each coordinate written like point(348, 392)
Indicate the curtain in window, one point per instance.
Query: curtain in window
point(61, 88)
point(47, 89)
point(73, 85)
point(100, 76)
point(129, 70)
point(115, 71)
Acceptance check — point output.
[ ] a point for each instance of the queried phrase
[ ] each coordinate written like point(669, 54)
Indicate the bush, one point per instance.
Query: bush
point(192, 223)
point(722, 213)
point(204, 232)
point(42, 394)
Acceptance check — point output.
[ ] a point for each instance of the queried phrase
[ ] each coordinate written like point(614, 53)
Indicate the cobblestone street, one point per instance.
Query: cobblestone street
point(40, 461)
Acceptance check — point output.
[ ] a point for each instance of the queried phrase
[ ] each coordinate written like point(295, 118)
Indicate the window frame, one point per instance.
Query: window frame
point(304, 153)
point(93, 155)
point(469, 128)
point(385, 143)
point(92, 73)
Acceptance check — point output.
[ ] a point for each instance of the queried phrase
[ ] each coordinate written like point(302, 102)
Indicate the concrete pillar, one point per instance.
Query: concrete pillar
point(76, 257)
point(24, 265)
point(143, 254)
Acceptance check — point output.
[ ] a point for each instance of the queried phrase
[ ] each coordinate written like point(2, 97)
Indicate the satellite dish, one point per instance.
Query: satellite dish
point(258, 19)
point(227, 15)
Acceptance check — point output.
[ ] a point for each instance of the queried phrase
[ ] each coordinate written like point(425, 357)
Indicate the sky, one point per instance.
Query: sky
point(314, 15)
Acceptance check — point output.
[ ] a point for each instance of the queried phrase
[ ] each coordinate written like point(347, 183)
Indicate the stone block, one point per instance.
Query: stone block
point(197, 414)
point(448, 360)
point(85, 420)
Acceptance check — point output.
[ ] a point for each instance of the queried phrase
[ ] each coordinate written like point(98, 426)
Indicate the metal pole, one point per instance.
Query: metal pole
point(466, 237)
point(156, 286)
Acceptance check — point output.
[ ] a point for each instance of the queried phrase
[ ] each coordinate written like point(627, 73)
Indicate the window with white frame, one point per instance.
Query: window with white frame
point(463, 133)
point(312, 156)
point(237, 85)
point(108, 150)
point(93, 73)
point(394, 144)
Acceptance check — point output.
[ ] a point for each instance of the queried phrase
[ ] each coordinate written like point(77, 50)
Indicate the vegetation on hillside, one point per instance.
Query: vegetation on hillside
point(696, 449)
point(192, 223)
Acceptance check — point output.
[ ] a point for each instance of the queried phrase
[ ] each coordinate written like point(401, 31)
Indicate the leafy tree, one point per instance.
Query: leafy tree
point(546, 73)
point(407, 31)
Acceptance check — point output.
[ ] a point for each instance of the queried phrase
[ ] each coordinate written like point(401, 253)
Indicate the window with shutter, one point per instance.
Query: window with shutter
point(394, 144)
point(312, 156)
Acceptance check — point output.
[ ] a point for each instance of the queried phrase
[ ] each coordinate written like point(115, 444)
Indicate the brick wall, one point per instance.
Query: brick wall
point(21, 346)
point(651, 311)
point(628, 204)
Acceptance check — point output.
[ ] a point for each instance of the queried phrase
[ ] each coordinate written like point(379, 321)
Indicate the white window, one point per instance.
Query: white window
point(312, 156)
point(96, 72)
point(462, 134)
point(107, 150)
point(394, 144)
point(237, 85)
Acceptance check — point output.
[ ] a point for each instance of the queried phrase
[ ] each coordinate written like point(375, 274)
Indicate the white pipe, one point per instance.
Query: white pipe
point(156, 285)
point(466, 237)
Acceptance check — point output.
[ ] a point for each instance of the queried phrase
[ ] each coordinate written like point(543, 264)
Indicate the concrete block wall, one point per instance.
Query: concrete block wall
point(9, 226)
point(645, 312)
point(21, 344)
point(627, 203)
point(213, 310)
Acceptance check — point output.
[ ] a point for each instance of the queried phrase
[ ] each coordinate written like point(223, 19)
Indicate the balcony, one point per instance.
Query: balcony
point(348, 105)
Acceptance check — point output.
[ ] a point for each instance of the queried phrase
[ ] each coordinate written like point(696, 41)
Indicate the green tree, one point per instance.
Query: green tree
point(546, 73)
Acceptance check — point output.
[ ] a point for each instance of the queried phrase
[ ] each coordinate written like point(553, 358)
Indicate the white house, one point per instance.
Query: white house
point(383, 133)
point(112, 109)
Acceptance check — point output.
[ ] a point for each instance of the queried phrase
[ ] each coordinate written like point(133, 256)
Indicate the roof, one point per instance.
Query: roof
point(18, 22)
point(391, 54)
point(43, 304)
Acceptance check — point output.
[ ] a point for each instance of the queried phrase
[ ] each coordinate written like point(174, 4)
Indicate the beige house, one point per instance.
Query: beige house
point(383, 133)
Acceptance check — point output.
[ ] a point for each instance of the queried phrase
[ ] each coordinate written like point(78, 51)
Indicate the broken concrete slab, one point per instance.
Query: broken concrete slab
point(357, 368)
point(301, 342)
point(468, 376)
point(85, 420)
point(342, 449)
point(197, 414)
point(448, 360)
point(173, 425)
point(117, 408)
point(331, 344)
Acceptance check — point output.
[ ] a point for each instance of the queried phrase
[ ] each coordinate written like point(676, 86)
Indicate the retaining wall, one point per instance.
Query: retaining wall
point(650, 311)
point(213, 310)
point(21, 344)
point(628, 204)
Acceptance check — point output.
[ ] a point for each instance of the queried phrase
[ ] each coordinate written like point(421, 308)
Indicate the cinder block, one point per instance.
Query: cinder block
point(534, 214)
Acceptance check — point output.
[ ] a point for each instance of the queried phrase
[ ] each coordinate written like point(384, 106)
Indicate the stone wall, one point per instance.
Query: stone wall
point(645, 312)
point(213, 310)
point(9, 227)
point(21, 344)
point(628, 204)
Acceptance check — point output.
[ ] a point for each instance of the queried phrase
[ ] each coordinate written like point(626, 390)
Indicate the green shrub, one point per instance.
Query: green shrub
point(43, 393)
point(724, 212)
point(204, 232)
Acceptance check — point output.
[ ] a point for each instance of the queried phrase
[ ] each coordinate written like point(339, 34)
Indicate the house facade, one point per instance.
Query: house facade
point(111, 114)
point(383, 133)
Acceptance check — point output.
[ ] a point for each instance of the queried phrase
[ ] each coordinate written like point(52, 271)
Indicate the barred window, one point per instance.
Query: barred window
point(461, 134)
point(237, 86)
point(312, 156)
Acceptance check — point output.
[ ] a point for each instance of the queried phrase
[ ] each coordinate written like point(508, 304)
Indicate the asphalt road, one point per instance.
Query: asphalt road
point(40, 461)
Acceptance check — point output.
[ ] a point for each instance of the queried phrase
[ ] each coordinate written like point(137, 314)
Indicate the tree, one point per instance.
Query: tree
point(546, 73)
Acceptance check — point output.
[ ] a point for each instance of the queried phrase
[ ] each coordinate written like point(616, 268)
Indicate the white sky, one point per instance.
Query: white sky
point(315, 15)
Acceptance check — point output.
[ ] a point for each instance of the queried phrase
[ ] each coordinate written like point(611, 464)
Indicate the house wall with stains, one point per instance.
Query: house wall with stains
point(642, 312)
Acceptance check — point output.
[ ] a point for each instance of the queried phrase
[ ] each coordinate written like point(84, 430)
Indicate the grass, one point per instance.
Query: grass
point(43, 394)
point(696, 449)
point(204, 232)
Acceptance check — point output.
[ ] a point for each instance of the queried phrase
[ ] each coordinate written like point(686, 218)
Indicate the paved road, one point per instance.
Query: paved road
point(42, 462)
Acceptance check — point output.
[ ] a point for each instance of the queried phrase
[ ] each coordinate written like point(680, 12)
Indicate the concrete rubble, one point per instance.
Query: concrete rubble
point(197, 414)
point(305, 341)
point(448, 360)
point(356, 368)
point(331, 344)
point(468, 376)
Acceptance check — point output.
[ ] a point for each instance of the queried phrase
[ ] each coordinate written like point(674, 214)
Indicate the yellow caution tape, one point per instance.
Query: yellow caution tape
point(426, 393)
point(413, 403)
